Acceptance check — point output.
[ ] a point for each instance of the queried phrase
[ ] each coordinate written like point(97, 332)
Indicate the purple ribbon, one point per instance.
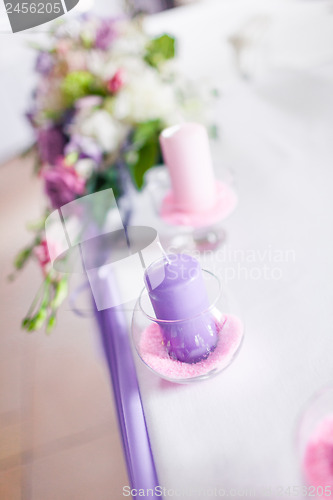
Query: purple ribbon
point(94, 250)
point(114, 333)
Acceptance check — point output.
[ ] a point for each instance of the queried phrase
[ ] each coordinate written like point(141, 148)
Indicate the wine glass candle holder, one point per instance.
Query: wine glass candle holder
point(315, 444)
point(178, 327)
point(196, 200)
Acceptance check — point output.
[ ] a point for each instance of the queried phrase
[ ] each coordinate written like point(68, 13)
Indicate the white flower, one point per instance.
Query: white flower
point(104, 65)
point(98, 64)
point(70, 29)
point(85, 167)
point(100, 125)
point(145, 97)
point(130, 40)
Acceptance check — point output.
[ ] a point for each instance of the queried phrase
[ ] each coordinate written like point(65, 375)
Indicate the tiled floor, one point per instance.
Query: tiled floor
point(59, 438)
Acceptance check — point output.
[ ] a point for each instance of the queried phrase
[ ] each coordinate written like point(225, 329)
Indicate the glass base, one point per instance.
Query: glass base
point(200, 240)
point(315, 443)
point(153, 353)
point(194, 348)
point(185, 231)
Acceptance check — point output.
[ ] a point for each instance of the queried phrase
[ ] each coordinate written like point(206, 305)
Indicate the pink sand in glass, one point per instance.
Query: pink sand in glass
point(154, 353)
point(318, 458)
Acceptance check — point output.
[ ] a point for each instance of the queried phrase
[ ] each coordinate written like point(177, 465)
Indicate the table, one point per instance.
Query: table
point(276, 139)
point(282, 165)
point(239, 429)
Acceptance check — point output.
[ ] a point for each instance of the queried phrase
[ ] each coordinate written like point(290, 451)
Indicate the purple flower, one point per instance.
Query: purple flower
point(105, 35)
point(67, 117)
point(85, 147)
point(44, 63)
point(51, 142)
point(62, 185)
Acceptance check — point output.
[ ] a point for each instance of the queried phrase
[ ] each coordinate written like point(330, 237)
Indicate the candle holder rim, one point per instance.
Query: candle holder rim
point(177, 321)
point(303, 414)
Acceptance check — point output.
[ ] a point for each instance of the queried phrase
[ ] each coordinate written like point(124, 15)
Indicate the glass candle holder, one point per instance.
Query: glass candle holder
point(195, 231)
point(315, 444)
point(163, 345)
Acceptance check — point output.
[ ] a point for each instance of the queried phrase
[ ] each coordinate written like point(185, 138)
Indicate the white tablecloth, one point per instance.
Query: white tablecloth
point(239, 429)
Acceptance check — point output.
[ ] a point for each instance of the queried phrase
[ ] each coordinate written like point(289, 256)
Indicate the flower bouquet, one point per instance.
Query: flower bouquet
point(105, 91)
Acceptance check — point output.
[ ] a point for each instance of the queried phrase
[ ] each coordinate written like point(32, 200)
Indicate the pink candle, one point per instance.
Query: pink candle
point(187, 155)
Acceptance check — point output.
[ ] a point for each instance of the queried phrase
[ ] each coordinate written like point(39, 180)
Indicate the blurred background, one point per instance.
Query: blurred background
point(219, 39)
point(272, 62)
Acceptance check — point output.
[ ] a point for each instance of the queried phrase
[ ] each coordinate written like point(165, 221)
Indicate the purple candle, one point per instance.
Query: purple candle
point(177, 292)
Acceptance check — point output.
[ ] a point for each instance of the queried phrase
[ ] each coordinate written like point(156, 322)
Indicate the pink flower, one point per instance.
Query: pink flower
point(62, 184)
point(63, 47)
point(116, 82)
point(42, 253)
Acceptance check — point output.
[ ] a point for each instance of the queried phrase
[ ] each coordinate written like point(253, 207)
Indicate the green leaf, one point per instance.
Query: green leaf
point(35, 323)
point(22, 257)
point(147, 157)
point(109, 178)
point(79, 84)
point(145, 150)
point(61, 292)
point(25, 322)
point(52, 115)
point(160, 49)
point(87, 40)
point(35, 320)
point(51, 322)
point(144, 132)
point(37, 226)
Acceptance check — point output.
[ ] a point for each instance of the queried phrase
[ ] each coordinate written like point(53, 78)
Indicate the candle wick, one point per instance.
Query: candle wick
point(164, 252)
